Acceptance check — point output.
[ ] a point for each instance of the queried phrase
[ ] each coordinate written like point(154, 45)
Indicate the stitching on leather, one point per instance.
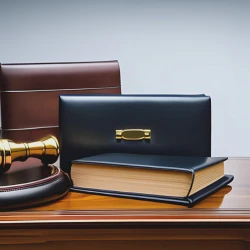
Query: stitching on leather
point(32, 128)
point(35, 184)
point(57, 90)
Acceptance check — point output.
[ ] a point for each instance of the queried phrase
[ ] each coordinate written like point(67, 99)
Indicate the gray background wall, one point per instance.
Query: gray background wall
point(171, 46)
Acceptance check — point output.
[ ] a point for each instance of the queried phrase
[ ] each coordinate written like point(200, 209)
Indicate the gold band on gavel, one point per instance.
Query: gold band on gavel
point(47, 150)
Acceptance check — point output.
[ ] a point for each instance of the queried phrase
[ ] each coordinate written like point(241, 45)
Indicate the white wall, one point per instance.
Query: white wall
point(171, 46)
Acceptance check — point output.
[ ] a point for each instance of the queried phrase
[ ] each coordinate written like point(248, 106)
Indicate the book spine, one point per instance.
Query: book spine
point(191, 185)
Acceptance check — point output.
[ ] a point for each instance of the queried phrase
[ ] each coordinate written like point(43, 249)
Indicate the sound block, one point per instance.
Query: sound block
point(31, 183)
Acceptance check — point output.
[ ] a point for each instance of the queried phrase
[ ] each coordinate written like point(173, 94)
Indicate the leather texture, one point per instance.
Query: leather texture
point(165, 162)
point(180, 125)
point(188, 201)
point(31, 183)
point(30, 92)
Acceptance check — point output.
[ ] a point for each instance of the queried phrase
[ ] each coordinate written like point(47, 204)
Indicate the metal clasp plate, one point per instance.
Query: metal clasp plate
point(133, 134)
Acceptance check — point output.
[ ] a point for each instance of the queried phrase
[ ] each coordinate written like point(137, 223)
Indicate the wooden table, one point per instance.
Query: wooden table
point(82, 221)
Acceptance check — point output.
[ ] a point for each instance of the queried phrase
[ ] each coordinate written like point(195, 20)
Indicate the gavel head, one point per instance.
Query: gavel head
point(47, 150)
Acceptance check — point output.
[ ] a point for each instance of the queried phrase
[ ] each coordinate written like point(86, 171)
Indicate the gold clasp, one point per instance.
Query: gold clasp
point(133, 134)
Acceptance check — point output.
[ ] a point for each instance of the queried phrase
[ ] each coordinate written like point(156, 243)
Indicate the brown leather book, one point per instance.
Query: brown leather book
point(30, 93)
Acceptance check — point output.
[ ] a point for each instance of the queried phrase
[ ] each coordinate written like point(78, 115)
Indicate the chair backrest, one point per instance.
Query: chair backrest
point(30, 93)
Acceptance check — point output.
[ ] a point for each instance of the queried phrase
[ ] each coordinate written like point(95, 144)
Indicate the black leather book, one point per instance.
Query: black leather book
point(97, 124)
point(183, 180)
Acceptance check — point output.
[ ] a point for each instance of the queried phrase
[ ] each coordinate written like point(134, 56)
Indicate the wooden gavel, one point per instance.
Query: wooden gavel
point(47, 150)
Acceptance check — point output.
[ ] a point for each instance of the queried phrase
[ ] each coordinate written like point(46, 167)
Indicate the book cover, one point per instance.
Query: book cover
point(30, 92)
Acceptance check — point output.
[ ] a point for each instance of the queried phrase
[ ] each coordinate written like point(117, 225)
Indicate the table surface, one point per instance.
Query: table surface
point(230, 205)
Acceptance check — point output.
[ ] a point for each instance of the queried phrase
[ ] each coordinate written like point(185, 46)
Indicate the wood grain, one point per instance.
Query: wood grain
point(231, 202)
point(221, 221)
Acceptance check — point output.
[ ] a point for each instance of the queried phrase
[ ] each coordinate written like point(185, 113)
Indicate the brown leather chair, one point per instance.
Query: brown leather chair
point(30, 93)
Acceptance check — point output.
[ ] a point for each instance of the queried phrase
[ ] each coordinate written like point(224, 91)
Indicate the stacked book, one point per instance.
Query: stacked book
point(183, 180)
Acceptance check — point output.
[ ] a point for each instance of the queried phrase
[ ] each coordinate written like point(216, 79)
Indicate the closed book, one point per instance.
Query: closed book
point(30, 92)
point(183, 180)
point(97, 124)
